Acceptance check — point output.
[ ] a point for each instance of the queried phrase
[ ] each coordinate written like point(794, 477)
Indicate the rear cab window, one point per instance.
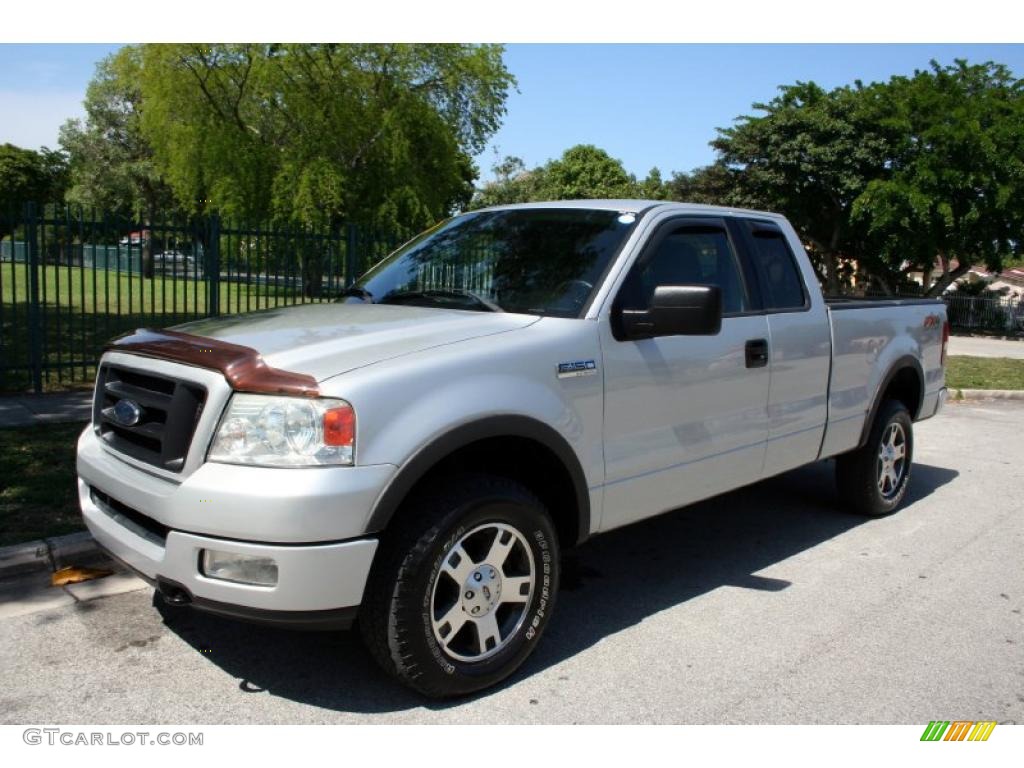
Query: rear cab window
point(782, 287)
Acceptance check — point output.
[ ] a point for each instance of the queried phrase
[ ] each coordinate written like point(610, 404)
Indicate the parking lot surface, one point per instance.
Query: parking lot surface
point(766, 605)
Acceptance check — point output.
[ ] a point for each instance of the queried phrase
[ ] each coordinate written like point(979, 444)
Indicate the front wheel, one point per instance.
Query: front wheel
point(873, 479)
point(463, 586)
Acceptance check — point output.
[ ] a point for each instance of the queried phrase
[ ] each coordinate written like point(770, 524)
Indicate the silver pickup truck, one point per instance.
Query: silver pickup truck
point(418, 454)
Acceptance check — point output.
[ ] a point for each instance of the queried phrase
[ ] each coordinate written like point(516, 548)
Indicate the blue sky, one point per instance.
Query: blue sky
point(648, 105)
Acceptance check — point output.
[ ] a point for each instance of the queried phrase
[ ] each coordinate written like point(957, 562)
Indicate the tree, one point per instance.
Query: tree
point(512, 183)
point(654, 187)
point(586, 172)
point(28, 176)
point(582, 172)
point(810, 155)
point(112, 166)
point(319, 134)
point(710, 185)
point(953, 187)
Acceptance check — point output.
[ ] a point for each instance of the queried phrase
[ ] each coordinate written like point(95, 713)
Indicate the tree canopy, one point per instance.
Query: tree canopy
point(307, 134)
point(316, 134)
point(952, 185)
point(891, 176)
point(113, 168)
point(27, 175)
point(810, 155)
point(582, 172)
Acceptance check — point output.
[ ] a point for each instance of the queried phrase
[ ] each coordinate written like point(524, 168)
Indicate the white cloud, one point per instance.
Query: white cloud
point(33, 119)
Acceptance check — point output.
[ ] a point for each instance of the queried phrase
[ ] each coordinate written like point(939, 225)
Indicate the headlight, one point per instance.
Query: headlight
point(273, 431)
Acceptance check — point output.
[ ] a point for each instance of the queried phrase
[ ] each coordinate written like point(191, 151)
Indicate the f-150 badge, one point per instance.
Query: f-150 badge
point(577, 368)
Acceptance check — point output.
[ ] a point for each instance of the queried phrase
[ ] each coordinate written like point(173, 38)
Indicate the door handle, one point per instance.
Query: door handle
point(757, 353)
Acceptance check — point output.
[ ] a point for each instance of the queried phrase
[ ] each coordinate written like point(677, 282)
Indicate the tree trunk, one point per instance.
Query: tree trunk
point(948, 277)
point(147, 243)
point(832, 274)
point(832, 263)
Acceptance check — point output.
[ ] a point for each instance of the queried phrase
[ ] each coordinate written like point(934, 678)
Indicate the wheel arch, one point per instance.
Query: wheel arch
point(904, 382)
point(535, 446)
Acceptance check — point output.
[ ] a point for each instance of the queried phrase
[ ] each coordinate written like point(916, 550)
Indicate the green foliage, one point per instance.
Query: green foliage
point(653, 187)
point(711, 185)
point(582, 172)
point(810, 155)
point(586, 172)
point(953, 185)
point(112, 168)
point(512, 183)
point(891, 176)
point(27, 175)
point(317, 134)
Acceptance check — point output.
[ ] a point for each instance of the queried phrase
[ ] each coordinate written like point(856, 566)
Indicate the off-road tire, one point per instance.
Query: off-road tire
point(395, 619)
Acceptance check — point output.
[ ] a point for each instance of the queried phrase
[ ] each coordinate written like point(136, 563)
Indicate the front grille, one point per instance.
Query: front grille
point(167, 412)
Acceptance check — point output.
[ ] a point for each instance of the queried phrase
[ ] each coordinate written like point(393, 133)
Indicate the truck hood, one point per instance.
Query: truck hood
point(324, 340)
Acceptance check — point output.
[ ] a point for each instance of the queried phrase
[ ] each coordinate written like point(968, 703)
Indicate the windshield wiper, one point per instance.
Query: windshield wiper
point(480, 301)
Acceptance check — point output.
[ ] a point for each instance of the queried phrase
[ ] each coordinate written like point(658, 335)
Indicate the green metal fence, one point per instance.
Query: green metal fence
point(72, 279)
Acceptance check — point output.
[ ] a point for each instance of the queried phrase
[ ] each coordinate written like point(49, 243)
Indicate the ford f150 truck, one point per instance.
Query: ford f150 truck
point(416, 455)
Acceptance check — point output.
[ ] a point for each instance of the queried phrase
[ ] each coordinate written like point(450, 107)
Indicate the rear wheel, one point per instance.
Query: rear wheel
point(873, 479)
point(463, 587)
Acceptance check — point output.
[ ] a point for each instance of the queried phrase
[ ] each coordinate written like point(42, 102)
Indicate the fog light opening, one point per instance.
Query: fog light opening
point(255, 570)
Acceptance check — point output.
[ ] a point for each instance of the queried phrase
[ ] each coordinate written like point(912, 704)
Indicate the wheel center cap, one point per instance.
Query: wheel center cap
point(481, 590)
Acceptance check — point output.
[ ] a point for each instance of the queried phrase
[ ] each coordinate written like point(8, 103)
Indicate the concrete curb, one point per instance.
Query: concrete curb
point(986, 394)
point(49, 554)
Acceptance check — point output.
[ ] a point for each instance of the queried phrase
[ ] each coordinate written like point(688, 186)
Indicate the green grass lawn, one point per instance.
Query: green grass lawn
point(97, 291)
point(38, 493)
point(984, 373)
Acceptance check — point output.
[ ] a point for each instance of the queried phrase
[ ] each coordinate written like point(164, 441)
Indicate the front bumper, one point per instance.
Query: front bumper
point(316, 519)
point(322, 577)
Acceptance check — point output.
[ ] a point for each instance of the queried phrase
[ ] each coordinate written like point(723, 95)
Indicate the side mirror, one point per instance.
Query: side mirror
point(676, 310)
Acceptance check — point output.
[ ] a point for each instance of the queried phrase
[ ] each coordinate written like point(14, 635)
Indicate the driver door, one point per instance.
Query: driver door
point(685, 416)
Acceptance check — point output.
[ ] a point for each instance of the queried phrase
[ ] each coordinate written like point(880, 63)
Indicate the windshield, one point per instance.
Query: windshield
point(543, 261)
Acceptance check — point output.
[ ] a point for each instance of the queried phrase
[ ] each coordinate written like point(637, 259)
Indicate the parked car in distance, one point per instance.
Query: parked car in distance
point(510, 383)
point(175, 262)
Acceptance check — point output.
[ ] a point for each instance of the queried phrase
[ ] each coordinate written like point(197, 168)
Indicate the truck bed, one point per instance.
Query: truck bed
point(871, 338)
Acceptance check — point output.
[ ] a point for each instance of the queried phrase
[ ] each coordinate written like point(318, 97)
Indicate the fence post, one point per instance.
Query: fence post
point(350, 255)
point(213, 267)
point(35, 334)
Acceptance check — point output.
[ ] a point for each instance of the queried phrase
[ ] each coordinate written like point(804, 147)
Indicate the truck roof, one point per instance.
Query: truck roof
point(630, 206)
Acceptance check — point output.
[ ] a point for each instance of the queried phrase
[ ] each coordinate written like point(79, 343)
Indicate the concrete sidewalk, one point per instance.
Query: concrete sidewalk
point(26, 410)
point(983, 346)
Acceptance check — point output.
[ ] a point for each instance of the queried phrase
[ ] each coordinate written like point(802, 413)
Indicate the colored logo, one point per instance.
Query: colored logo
point(958, 730)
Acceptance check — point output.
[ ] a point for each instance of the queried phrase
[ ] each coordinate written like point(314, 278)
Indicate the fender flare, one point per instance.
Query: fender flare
point(427, 457)
point(901, 364)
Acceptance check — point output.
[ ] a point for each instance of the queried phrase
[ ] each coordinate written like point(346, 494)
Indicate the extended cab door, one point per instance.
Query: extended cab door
point(800, 342)
point(685, 416)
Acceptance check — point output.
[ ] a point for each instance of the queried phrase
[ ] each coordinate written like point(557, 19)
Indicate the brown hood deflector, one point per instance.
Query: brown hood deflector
point(243, 367)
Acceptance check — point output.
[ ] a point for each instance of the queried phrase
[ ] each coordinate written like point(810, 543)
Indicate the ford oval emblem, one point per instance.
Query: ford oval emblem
point(127, 413)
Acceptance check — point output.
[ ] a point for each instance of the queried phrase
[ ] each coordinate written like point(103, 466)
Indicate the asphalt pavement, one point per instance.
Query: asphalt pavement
point(766, 605)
